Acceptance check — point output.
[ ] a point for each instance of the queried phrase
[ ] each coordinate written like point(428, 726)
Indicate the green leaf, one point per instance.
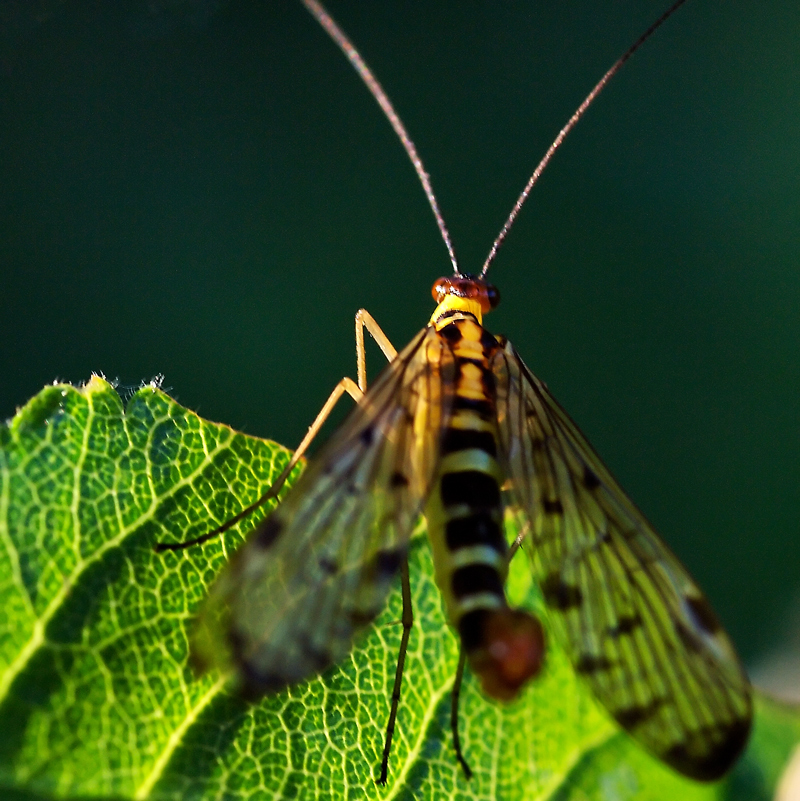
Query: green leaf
point(96, 696)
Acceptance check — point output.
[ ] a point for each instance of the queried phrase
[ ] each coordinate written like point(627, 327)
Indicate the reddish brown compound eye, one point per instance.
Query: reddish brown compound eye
point(441, 287)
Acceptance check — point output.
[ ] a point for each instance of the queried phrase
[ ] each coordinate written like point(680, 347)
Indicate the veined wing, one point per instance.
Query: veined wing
point(319, 568)
point(633, 622)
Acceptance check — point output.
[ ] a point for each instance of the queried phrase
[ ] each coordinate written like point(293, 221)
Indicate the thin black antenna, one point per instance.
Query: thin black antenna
point(579, 112)
point(338, 36)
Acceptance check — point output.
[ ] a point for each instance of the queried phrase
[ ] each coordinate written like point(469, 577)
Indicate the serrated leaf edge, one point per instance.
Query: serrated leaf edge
point(37, 638)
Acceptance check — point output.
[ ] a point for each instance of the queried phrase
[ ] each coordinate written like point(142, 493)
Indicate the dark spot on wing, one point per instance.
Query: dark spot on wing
point(387, 562)
point(328, 566)
point(474, 579)
point(479, 528)
point(236, 642)
point(589, 663)
point(268, 532)
point(255, 682)
point(559, 594)
point(553, 507)
point(590, 479)
point(724, 745)
point(451, 333)
point(367, 435)
point(461, 439)
point(341, 629)
point(635, 715)
point(625, 625)
point(687, 637)
point(362, 617)
point(320, 658)
point(470, 487)
point(398, 480)
point(702, 614)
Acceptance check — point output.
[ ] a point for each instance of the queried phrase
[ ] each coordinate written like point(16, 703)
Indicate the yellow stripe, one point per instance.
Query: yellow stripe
point(477, 555)
point(466, 420)
point(471, 459)
point(468, 347)
point(483, 600)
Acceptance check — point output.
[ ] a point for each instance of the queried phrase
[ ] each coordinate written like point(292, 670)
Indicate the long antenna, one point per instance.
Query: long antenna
point(579, 112)
point(338, 36)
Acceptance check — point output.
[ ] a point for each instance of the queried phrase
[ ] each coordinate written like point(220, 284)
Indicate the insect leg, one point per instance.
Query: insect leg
point(456, 695)
point(345, 385)
point(365, 320)
point(407, 620)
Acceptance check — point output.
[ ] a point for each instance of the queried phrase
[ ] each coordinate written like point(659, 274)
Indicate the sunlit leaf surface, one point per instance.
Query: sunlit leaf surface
point(96, 696)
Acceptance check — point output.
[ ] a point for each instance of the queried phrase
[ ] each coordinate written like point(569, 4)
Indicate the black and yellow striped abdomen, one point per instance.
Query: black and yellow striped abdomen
point(464, 512)
point(465, 519)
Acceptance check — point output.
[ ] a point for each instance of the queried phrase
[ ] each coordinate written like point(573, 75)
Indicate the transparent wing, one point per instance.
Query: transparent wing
point(632, 620)
point(319, 568)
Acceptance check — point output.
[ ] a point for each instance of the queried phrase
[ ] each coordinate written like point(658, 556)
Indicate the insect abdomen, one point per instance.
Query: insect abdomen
point(465, 524)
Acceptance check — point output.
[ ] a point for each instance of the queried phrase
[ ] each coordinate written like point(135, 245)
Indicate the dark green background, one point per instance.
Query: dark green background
point(205, 190)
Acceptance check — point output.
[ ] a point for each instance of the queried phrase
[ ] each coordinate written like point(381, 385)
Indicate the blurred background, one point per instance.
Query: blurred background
point(204, 189)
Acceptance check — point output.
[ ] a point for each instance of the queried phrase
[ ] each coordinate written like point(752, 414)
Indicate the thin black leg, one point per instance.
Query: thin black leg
point(462, 661)
point(408, 621)
point(271, 493)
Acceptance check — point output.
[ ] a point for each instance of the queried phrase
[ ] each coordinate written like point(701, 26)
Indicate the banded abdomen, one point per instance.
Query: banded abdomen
point(465, 522)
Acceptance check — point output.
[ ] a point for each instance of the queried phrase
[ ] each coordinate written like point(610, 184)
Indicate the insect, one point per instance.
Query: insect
point(458, 428)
